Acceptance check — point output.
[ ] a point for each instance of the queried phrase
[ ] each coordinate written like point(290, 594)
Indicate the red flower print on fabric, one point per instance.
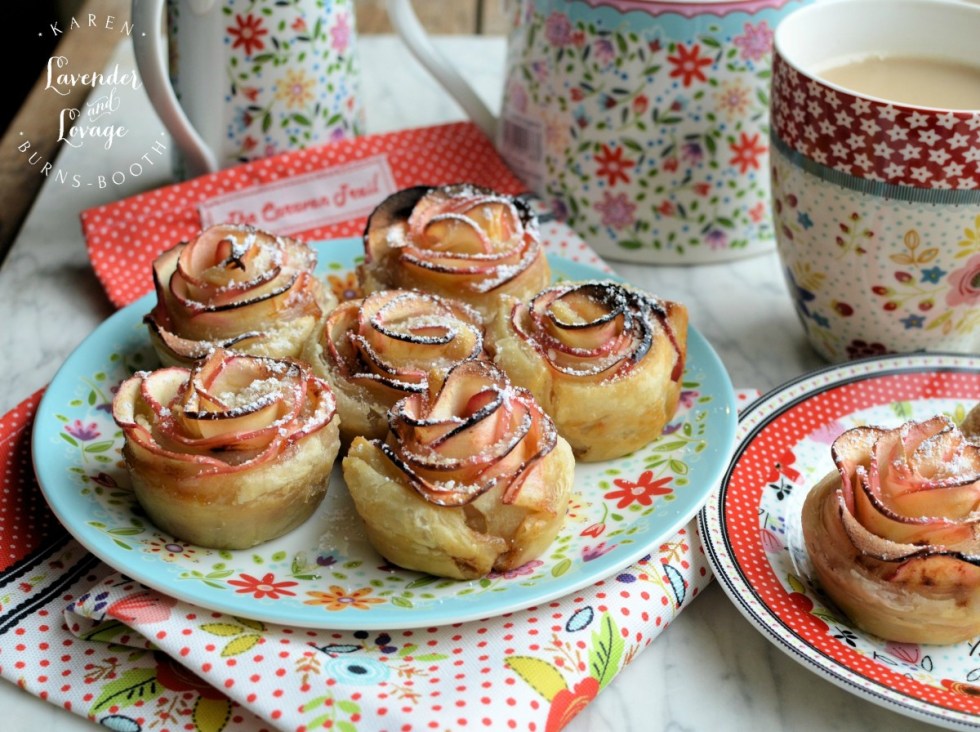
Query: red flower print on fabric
point(171, 675)
point(142, 607)
point(642, 491)
point(248, 32)
point(569, 702)
point(688, 64)
point(265, 587)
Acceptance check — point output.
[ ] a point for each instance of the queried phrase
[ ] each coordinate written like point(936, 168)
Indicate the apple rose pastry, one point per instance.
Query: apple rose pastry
point(471, 477)
point(235, 287)
point(604, 360)
point(459, 241)
point(379, 349)
point(894, 533)
point(232, 453)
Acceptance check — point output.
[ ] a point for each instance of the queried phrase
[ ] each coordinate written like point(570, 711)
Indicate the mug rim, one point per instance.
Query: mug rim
point(801, 15)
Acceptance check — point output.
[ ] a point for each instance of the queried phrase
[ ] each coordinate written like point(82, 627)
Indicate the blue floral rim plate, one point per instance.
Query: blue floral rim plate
point(325, 574)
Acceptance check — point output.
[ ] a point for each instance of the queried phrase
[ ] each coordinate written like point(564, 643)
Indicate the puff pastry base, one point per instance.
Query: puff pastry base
point(944, 609)
point(360, 413)
point(285, 339)
point(240, 510)
point(601, 420)
point(460, 542)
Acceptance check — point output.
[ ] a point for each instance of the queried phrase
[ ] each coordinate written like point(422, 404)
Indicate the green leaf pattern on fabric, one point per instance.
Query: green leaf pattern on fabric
point(132, 686)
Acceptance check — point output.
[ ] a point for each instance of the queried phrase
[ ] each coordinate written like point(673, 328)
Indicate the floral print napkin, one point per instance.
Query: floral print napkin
point(80, 635)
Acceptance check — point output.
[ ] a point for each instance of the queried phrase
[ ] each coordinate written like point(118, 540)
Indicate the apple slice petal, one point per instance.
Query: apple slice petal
point(909, 491)
point(596, 330)
point(230, 413)
point(390, 343)
point(876, 546)
point(880, 520)
point(473, 432)
point(458, 240)
point(233, 286)
point(851, 452)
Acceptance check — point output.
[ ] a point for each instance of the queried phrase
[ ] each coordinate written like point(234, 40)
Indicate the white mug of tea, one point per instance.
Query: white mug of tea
point(249, 78)
point(645, 125)
point(876, 174)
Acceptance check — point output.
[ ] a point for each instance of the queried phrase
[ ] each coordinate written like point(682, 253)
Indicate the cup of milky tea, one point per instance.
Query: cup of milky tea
point(875, 174)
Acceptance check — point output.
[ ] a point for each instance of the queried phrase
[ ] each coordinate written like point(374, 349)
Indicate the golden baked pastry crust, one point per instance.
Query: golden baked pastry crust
point(240, 511)
point(938, 612)
point(903, 578)
point(455, 491)
point(239, 288)
point(461, 542)
point(605, 402)
point(231, 454)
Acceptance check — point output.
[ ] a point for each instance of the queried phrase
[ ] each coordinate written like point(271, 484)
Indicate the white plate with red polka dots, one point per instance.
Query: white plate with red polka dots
point(751, 529)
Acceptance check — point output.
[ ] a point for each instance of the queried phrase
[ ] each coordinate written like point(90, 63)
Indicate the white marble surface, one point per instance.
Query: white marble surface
point(710, 670)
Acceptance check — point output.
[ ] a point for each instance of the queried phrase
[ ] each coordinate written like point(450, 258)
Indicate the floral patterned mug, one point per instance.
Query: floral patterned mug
point(644, 124)
point(249, 78)
point(876, 202)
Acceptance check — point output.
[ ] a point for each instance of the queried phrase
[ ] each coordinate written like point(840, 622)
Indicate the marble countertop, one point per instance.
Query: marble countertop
point(711, 670)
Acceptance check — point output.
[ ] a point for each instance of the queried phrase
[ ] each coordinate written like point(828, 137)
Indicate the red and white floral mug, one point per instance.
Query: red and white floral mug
point(249, 78)
point(644, 124)
point(877, 200)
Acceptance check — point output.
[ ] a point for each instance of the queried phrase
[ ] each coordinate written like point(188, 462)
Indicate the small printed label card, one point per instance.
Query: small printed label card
point(304, 202)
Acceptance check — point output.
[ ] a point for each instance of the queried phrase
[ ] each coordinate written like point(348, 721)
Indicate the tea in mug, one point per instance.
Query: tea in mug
point(916, 80)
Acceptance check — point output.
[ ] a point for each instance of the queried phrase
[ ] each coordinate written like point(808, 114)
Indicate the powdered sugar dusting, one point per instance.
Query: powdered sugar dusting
point(257, 394)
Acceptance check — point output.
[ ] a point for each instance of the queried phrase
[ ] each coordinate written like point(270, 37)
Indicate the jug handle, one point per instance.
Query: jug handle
point(406, 23)
point(198, 157)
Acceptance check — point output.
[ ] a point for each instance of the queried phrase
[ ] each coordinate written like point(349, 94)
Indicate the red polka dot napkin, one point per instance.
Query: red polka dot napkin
point(82, 636)
point(95, 671)
point(323, 192)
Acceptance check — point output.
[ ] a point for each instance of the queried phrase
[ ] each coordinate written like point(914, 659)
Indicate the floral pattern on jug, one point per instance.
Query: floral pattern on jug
point(651, 139)
point(292, 78)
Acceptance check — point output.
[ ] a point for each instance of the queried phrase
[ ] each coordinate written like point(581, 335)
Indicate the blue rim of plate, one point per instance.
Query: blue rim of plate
point(746, 596)
point(97, 508)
